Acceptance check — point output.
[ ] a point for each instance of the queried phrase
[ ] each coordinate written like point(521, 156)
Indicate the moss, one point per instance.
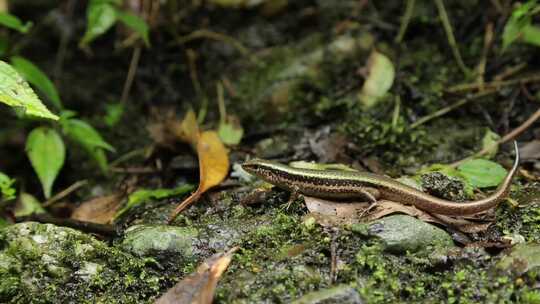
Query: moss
point(46, 264)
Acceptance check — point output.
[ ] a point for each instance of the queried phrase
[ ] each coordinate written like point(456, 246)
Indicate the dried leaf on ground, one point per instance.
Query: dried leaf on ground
point(530, 151)
point(213, 167)
point(346, 210)
point(199, 287)
point(330, 213)
point(385, 207)
point(100, 210)
point(381, 73)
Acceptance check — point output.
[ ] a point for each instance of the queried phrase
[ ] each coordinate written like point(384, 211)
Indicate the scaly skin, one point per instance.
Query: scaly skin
point(335, 184)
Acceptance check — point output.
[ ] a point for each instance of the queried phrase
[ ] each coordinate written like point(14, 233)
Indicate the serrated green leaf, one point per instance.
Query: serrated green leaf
point(89, 138)
point(27, 205)
point(482, 173)
point(46, 152)
point(101, 16)
point(136, 23)
point(143, 195)
point(6, 188)
point(13, 22)
point(15, 92)
point(35, 76)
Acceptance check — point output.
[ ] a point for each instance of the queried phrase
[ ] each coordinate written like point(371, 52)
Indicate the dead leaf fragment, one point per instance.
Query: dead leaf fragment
point(213, 167)
point(381, 73)
point(199, 287)
point(188, 129)
point(345, 210)
point(100, 210)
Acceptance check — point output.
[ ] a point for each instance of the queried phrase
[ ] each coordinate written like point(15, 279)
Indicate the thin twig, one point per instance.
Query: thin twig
point(494, 84)
point(65, 193)
point(481, 67)
point(133, 65)
point(409, 9)
point(202, 33)
point(510, 136)
point(66, 33)
point(510, 71)
point(450, 35)
point(134, 170)
point(221, 103)
point(451, 107)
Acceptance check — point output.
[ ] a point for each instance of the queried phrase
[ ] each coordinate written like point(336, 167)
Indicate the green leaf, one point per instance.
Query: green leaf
point(136, 23)
point(489, 142)
point(47, 152)
point(82, 132)
point(11, 21)
point(114, 113)
point(101, 16)
point(90, 139)
point(142, 196)
point(15, 92)
point(27, 205)
point(230, 133)
point(6, 188)
point(4, 45)
point(3, 223)
point(482, 173)
point(35, 76)
point(531, 35)
point(518, 22)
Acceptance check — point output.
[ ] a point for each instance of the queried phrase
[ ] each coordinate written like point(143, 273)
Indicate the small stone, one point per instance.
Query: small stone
point(343, 294)
point(145, 240)
point(403, 233)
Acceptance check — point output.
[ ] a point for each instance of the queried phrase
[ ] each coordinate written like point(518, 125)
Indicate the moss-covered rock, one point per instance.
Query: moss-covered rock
point(44, 263)
point(403, 233)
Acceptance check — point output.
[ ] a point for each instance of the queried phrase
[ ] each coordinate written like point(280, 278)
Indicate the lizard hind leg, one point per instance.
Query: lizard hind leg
point(372, 195)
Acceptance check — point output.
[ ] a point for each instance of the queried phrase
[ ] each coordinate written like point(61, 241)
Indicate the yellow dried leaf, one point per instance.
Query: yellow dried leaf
point(213, 167)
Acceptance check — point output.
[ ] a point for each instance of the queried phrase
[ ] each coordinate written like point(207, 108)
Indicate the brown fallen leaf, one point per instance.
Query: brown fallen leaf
point(100, 210)
point(213, 167)
point(331, 213)
point(199, 287)
point(385, 207)
point(326, 207)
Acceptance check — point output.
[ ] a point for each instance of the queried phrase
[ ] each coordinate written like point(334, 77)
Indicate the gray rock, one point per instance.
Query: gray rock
point(521, 258)
point(402, 233)
point(148, 239)
point(343, 294)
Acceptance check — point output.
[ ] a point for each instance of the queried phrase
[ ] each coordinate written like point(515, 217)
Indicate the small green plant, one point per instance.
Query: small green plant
point(45, 146)
point(101, 15)
point(519, 26)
